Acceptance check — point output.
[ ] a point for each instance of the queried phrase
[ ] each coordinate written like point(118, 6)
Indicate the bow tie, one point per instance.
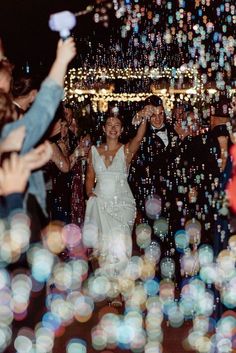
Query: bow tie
point(163, 128)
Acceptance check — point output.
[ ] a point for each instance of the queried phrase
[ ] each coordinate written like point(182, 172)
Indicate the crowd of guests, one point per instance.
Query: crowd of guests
point(178, 171)
point(185, 166)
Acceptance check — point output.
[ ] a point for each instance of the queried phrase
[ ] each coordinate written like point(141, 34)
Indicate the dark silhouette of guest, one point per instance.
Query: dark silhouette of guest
point(210, 173)
point(187, 124)
point(24, 90)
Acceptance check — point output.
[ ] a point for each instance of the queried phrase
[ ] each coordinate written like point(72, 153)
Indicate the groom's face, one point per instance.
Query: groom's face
point(157, 118)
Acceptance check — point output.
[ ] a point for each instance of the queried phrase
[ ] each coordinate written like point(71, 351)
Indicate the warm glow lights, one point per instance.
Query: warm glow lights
point(81, 84)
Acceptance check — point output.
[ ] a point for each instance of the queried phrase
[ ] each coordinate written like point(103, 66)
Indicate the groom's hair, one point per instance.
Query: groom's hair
point(153, 100)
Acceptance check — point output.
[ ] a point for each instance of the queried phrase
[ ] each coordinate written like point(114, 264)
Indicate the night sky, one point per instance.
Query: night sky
point(27, 37)
point(25, 32)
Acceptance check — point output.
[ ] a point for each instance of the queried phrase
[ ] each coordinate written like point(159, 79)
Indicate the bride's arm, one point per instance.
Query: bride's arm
point(90, 177)
point(132, 147)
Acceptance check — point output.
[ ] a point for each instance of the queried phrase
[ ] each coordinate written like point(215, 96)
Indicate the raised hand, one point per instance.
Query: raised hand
point(14, 141)
point(14, 175)
point(66, 50)
point(143, 114)
point(39, 156)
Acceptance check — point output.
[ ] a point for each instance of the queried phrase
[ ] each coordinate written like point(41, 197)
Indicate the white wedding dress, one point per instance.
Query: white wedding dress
point(110, 216)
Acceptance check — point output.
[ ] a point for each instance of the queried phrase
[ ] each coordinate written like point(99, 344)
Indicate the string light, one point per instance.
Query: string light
point(96, 84)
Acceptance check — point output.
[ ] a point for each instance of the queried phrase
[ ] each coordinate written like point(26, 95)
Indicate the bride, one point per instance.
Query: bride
point(110, 210)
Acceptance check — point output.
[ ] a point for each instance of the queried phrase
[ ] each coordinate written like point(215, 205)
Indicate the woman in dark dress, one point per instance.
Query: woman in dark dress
point(78, 161)
point(56, 172)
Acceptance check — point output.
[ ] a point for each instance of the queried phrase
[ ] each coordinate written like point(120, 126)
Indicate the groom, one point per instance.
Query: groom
point(152, 170)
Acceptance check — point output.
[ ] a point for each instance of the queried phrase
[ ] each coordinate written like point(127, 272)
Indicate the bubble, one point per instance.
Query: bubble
point(201, 324)
point(154, 304)
point(208, 273)
point(151, 287)
point(205, 304)
point(143, 235)
point(134, 319)
point(126, 286)
point(125, 334)
point(71, 235)
point(232, 244)
point(153, 252)
point(90, 235)
point(99, 286)
point(110, 324)
point(138, 297)
point(153, 206)
point(187, 305)
point(44, 340)
point(79, 273)
point(41, 331)
point(23, 344)
point(62, 276)
point(51, 321)
point(228, 297)
point(36, 286)
point(42, 263)
point(226, 263)
point(153, 347)
point(4, 279)
point(181, 240)
point(21, 284)
point(84, 307)
point(224, 345)
point(167, 266)
point(205, 254)
point(190, 263)
point(99, 338)
point(176, 316)
point(6, 296)
point(138, 342)
point(52, 238)
point(194, 337)
point(160, 227)
point(76, 345)
point(6, 314)
point(167, 290)
point(193, 229)
point(148, 270)
point(3, 339)
point(20, 231)
point(226, 326)
point(203, 345)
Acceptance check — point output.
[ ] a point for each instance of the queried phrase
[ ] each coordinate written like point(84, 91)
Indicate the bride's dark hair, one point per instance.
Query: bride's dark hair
point(113, 112)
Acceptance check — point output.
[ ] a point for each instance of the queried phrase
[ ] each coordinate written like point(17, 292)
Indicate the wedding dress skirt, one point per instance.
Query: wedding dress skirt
point(110, 215)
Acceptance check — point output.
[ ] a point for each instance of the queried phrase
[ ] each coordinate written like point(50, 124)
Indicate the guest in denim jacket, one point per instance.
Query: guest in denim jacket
point(40, 115)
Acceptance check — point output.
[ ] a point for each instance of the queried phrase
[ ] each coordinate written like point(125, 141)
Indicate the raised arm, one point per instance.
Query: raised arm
point(132, 147)
point(90, 177)
point(42, 112)
point(65, 53)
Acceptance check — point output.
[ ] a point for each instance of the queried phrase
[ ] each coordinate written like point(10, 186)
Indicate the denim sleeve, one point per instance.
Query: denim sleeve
point(14, 203)
point(39, 116)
